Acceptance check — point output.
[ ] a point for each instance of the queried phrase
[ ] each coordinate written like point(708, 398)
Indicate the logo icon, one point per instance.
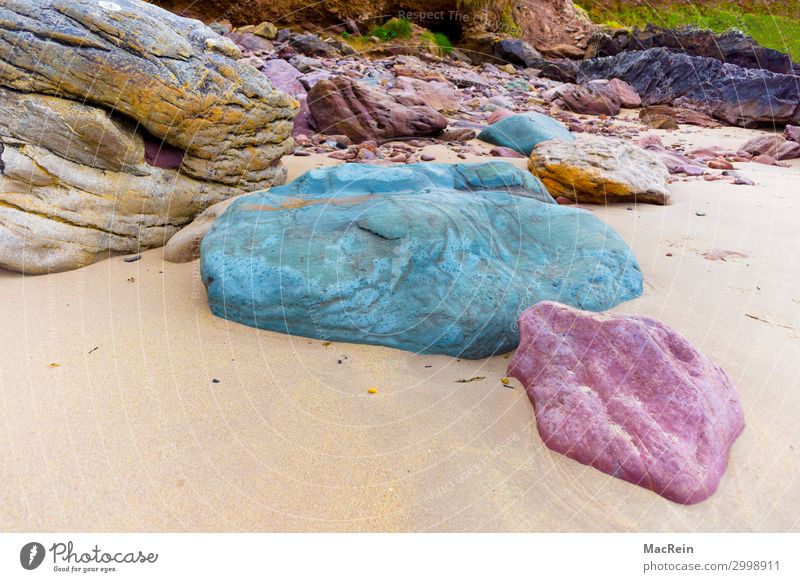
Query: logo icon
point(31, 555)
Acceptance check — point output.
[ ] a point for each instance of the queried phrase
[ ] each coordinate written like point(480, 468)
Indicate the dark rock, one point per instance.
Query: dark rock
point(517, 52)
point(733, 47)
point(739, 96)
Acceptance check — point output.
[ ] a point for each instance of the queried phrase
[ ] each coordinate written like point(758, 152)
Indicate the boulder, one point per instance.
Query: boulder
point(732, 46)
point(433, 258)
point(676, 163)
point(436, 94)
point(311, 45)
point(598, 169)
point(516, 52)
point(266, 30)
point(342, 106)
point(735, 95)
point(629, 396)
point(654, 116)
point(586, 99)
point(185, 245)
point(114, 141)
point(284, 76)
point(792, 132)
point(774, 146)
point(617, 91)
point(523, 131)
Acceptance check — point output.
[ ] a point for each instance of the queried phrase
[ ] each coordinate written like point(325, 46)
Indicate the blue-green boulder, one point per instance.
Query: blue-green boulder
point(523, 131)
point(370, 254)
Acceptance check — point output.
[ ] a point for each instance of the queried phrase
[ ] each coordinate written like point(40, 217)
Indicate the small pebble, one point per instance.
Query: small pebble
point(699, 213)
point(373, 390)
point(427, 157)
point(132, 259)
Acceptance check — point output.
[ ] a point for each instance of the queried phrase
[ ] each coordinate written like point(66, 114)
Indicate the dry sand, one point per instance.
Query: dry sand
point(129, 431)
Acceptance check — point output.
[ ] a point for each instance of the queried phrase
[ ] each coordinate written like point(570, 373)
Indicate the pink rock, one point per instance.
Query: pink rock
point(499, 115)
point(629, 396)
point(587, 99)
point(618, 90)
point(720, 164)
point(437, 94)
point(792, 132)
point(775, 146)
point(284, 77)
point(504, 152)
point(675, 162)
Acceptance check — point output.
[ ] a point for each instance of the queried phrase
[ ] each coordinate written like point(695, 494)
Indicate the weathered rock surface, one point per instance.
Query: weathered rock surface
point(342, 106)
point(654, 115)
point(425, 257)
point(436, 94)
point(190, 127)
point(775, 146)
point(732, 46)
point(523, 131)
point(599, 169)
point(738, 96)
point(618, 91)
point(792, 132)
point(675, 162)
point(629, 396)
point(185, 245)
point(586, 99)
point(517, 52)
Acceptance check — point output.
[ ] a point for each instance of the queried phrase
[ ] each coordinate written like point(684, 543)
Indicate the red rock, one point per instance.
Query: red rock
point(499, 115)
point(564, 201)
point(675, 162)
point(587, 99)
point(340, 105)
point(677, 114)
point(504, 152)
point(619, 91)
point(720, 165)
point(629, 396)
point(764, 159)
point(775, 146)
point(792, 132)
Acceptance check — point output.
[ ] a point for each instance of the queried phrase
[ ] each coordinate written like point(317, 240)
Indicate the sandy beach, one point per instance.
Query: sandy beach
point(125, 405)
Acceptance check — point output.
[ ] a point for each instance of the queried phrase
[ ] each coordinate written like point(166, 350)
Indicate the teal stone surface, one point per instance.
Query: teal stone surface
point(522, 132)
point(428, 258)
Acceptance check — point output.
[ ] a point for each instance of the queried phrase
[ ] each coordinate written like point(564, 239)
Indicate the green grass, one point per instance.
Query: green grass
point(440, 40)
point(776, 31)
point(392, 29)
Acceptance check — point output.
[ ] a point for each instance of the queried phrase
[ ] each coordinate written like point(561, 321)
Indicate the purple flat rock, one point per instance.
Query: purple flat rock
point(629, 396)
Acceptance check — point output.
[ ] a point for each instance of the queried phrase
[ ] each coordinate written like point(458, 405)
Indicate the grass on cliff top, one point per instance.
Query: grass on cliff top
point(772, 31)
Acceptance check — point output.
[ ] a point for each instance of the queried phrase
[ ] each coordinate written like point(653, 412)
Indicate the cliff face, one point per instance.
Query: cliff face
point(543, 23)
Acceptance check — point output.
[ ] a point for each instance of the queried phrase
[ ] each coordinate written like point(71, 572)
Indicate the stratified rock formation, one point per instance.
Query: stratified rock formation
point(599, 169)
point(732, 46)
point(629, 396)
point(432, 258)
point(120, 122)
point(738, 96)
point(344, 107)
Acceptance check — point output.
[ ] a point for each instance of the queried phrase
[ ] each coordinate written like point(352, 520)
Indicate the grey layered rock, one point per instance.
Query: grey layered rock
point(120, 122)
